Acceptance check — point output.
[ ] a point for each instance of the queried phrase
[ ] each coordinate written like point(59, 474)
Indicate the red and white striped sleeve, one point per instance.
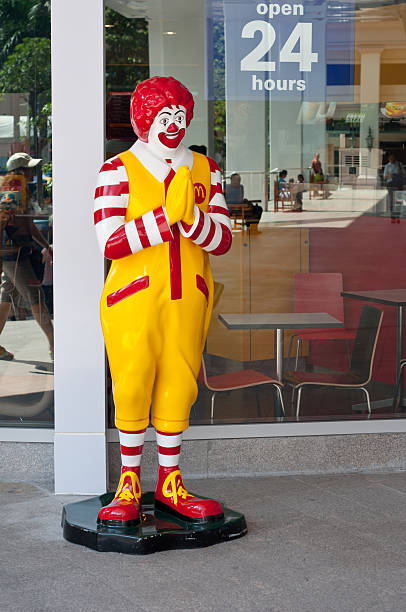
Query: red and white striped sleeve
point(211, 230)
point(117, 238)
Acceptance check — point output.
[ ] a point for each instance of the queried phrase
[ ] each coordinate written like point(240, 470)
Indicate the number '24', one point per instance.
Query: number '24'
point(301, 33)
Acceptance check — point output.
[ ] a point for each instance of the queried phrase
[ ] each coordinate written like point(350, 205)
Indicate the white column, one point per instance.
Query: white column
point(285, 136)
point(78, 151)
point(369, 101)
point(313, 137)
point(370, 75)
point(246, 136)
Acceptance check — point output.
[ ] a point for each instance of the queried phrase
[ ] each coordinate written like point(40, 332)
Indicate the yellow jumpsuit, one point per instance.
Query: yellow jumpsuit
point(154, 338)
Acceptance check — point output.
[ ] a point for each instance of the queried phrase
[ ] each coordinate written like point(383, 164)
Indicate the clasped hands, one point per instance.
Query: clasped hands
point(180, 198)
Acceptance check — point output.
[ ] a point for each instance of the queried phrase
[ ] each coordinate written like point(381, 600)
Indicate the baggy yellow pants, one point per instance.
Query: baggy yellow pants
point(154, 343)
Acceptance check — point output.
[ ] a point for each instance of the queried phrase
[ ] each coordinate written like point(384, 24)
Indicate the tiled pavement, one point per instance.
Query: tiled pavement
point(315, 544)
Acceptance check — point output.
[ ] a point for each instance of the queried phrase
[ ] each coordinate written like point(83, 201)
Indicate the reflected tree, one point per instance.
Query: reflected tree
point(25, 57)
point(28, 69)
point(127, 56)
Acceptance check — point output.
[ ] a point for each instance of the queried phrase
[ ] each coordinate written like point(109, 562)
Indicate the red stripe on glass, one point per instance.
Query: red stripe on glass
point(126, 291)
point(117, 245)
point(209, 236)
point(175, 264)
point(164, 450)
point(112, 190)
point(201, 285)
point(131, 451)
point(142, 232)
point(105, 213)
point(225, 242)
point(162, 224)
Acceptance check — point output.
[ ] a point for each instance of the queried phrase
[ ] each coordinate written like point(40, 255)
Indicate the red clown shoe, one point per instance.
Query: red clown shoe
point(172, 497)
point(124, 510)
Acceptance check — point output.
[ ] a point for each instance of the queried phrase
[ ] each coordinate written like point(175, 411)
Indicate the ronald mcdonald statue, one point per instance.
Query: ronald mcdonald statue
point(159, 213)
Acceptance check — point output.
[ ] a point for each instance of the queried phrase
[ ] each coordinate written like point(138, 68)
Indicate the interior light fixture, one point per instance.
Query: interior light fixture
point(170, 33)
point(109, 25)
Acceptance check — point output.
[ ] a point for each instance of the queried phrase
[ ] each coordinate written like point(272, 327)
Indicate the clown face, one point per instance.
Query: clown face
point(167, 130)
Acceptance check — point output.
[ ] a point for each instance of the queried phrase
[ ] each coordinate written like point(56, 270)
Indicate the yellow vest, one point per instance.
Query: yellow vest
point(146, 193)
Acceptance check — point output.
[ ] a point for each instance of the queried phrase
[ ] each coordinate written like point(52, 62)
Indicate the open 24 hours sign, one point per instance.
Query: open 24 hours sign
point(281, 49)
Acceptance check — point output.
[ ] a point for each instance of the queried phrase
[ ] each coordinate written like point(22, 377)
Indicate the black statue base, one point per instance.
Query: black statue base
point(157, 530)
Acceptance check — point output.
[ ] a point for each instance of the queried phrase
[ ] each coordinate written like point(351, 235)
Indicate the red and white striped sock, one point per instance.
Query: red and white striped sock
point(131, 443)
point(168, 448)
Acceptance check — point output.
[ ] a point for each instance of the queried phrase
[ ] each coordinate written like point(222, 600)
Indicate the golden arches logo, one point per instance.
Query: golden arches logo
point(173, 487)
point(125, 490)
point(200, 193)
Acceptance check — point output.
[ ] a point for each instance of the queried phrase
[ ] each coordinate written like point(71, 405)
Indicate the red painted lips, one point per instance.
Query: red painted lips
point(171, 140)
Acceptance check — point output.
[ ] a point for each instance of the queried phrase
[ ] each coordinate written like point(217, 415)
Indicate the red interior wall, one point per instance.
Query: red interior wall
point(371, 254)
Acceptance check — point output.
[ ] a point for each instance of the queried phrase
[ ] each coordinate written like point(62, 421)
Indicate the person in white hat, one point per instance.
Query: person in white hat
point(19, 169)
point(21, 160)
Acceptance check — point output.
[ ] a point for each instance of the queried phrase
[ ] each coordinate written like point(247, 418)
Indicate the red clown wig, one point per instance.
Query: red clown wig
point(151, 96)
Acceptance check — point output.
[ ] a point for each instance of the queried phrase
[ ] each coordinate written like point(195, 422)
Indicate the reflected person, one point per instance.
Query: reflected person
point(393, 178)
point(19, 238)
point(235, 195)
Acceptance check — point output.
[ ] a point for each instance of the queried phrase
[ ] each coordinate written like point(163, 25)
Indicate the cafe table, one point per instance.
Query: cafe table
point(280, 321)
point(389, 297)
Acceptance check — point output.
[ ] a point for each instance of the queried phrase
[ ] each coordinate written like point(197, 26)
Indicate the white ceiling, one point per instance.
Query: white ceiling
point(157, 9)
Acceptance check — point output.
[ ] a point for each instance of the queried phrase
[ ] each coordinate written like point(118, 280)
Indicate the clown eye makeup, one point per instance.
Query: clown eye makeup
point(168, 128)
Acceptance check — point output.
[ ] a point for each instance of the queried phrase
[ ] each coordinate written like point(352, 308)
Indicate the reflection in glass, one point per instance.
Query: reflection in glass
point(26, 286)
point(329, 176)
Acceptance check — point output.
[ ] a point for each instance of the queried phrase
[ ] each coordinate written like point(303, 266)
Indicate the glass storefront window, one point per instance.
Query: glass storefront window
point(26, 289)
point(303, 106)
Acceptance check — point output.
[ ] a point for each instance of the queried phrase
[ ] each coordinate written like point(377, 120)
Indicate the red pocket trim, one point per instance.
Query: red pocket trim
point(127, 290)
point(201, 285)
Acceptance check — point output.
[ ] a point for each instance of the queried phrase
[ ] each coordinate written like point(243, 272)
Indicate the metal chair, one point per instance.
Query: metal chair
point(285, 198)
point(362, 358)
point(242, 213)
point(397, 399)
point(231, 381)
point(320, 292)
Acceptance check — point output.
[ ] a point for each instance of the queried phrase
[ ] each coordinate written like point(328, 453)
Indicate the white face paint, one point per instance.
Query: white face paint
point(167, 131)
